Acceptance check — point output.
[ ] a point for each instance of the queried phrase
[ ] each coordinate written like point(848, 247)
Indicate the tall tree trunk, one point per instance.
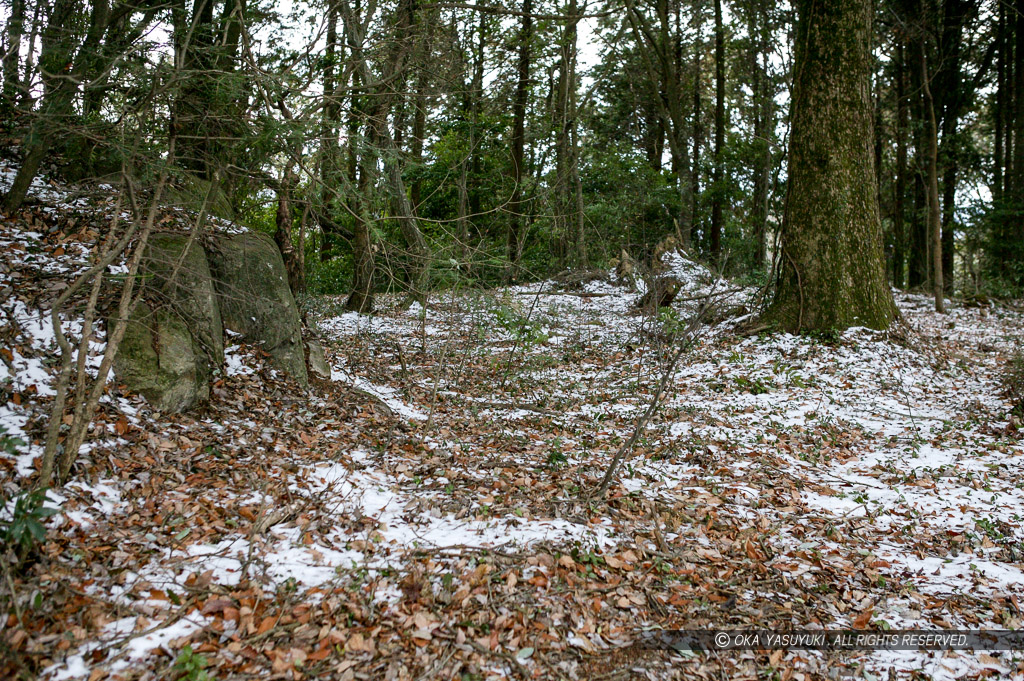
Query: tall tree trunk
point(932, 171)
point(832, 273)
point(560, 98)
point(949, 104)
point(329, 160)
point(26, 99)
point(1012, 43)
point(515, 231)
point(61, 71)
point(194, 117)
point(716, 171)
point(900, 191)
point(568, 224)
point(575, 188)
point(382, 142)
point(360, 299)
point(698, 125)
point(918, 270)
point(12, 59)
point(999, 114)
point(1017, 184)
point(657, 52)
point(762, 115)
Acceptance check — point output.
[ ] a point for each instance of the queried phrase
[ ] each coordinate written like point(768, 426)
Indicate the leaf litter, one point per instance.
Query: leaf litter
point(425, 513)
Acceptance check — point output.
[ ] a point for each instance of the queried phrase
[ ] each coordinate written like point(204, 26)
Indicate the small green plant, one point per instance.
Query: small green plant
point(556, 457)
point(529, 332)
point(755, 386)
point(22, 531)
point(25, 528)
point(191, 666)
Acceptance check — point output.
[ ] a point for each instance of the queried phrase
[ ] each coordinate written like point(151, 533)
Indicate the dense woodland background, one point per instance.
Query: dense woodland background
point(400, 146)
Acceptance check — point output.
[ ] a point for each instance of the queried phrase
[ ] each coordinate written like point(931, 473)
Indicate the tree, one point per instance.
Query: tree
point(519, 104)
point(831, 273)
point(716, 173)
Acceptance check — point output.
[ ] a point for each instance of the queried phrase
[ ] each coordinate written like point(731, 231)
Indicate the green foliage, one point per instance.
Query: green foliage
point(191, 667)
point(330, 277)
point(1005, 250)
point(23, 532)
point(25, 528)
point(527, 331)
point(671, 323)
point(628, 203)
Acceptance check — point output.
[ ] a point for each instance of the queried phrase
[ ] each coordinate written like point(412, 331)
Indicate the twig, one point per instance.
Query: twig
point(689, 335)
point(662, 545)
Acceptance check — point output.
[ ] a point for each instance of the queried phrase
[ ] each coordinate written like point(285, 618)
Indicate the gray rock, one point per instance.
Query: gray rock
point(174, 335)
point(178, 276)
point(255, 300)
point(317, 361)
point(161, 359)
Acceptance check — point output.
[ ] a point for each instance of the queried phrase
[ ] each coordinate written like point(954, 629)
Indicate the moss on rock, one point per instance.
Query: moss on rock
point(255, 300)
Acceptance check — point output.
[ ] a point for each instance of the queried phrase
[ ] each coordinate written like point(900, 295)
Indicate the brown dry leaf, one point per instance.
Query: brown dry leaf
point(862, 620)
point(266, 625)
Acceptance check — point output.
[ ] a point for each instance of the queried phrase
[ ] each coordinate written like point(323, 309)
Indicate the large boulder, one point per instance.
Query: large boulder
point(161, 359)
point(255, 300)
point(179, 278)
point(174, 334)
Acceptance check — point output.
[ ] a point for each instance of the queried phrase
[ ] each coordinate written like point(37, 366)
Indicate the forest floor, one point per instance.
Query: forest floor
point(426, 512)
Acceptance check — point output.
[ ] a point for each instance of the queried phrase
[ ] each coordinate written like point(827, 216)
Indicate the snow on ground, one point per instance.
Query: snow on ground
point(868, 480)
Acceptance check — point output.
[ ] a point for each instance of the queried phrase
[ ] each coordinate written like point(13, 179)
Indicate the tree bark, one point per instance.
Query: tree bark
point(1000, 111)
point(831, 273)
point(698, 126)
point(329, 160)
point(716, 171)
point(12, 59)
point(900, 191)
point(61, 71)
point(932, 170)
point(918, 266)
point(761, 86)
point(514, 246)
point(283, 233)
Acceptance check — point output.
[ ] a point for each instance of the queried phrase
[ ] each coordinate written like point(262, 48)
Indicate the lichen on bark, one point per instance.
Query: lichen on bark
point(831, 271)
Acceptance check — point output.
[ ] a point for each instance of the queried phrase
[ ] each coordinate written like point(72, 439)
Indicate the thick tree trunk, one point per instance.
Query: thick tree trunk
point(11, 61)
point(60, 84)
point(716, 171)
point(514, 245)
point(763, 158)
point(831, 272)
